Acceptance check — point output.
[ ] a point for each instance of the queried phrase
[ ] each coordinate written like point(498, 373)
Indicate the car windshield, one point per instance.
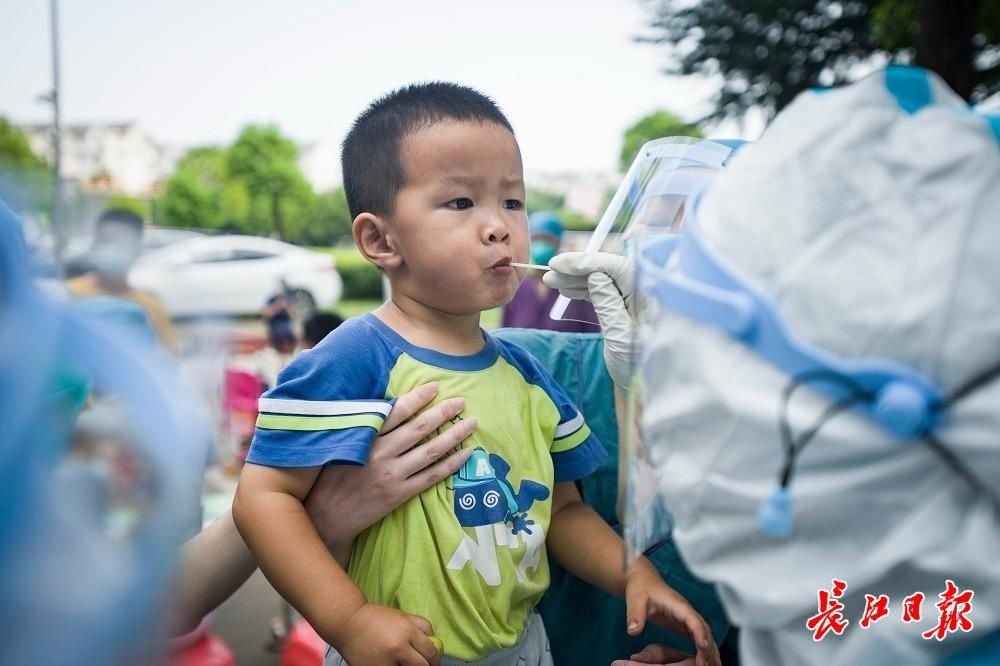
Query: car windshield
point(202, 249)
point(156, 238)
point(173, 253)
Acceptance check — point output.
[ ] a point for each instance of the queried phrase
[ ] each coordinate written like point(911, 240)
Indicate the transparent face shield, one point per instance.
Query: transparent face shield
point(647, 522)
point(651, 199)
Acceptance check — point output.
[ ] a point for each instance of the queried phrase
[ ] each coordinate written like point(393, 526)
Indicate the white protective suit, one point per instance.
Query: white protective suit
point(877, 231)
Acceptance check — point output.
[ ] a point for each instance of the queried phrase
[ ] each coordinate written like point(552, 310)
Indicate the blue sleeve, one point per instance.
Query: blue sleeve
point(328, 405)
point(576, 452)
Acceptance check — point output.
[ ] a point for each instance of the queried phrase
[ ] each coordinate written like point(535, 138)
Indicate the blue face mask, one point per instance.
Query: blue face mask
point(542, 252)
point(111, 261)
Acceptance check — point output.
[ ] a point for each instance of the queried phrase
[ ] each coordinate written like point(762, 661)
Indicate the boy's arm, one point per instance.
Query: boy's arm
point(583, 543)
point(587, 547)
point(271, 518)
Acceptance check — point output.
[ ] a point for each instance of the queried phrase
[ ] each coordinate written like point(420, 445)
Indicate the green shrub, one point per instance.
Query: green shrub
point(575, 221)
point(138, 206)
point(361, 279)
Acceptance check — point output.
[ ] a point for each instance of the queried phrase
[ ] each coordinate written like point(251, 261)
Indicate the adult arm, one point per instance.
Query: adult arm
point(344, 501)
point(213, 565)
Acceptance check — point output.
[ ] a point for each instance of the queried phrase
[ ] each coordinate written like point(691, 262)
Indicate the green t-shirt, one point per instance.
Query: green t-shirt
point(469, 553)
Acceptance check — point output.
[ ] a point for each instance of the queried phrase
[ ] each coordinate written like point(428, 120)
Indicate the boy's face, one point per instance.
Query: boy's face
point(460, 218)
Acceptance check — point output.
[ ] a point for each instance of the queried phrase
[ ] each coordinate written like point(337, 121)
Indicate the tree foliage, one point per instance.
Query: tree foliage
point(538, 199)
point(768, 52)
point(253, 187)
point(201, 193)
point(329, 219)
point(25, 179)
point(542, 200)
point(266, 162)
point(15, 153)
point(656, 125)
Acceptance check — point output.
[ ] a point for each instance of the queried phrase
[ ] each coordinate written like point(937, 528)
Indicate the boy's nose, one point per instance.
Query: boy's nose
point(499, 236)
point(496, 230)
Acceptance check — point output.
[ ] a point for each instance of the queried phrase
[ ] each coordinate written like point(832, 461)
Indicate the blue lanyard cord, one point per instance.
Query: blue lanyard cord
point(985, 377)
point(945, 452)
point(949, 458)
point(857, 394)
point(793, 447)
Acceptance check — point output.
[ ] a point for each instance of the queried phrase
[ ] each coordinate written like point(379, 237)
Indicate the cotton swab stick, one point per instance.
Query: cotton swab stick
point(534, 267)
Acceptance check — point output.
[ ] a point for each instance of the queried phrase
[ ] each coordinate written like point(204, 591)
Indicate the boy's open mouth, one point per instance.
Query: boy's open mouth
point(502, 267)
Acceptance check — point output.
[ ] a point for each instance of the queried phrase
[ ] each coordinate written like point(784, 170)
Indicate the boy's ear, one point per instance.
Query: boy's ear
point(374, 237)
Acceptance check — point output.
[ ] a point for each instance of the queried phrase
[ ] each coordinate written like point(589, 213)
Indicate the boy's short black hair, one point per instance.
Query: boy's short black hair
point(121, 216)
point(370, 156)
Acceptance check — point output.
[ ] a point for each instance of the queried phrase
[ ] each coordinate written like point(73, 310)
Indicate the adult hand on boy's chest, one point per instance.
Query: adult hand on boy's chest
point(347, 499)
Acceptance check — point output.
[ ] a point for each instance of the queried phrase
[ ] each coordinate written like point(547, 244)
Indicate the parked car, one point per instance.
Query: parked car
point(76, 254)
point(154, 238)
point(236, 275)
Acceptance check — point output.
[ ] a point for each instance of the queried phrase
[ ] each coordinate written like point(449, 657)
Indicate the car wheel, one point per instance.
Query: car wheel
point(303, 302)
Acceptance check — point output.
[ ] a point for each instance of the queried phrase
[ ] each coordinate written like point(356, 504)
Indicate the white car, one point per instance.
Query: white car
point(154, 238)
point(236, 275)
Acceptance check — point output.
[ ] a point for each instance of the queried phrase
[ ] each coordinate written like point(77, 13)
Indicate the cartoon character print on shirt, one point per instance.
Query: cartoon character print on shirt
point(486, 502)
point(484, 496)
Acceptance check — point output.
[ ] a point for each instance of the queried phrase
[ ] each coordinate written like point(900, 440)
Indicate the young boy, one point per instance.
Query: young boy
point(434, 181)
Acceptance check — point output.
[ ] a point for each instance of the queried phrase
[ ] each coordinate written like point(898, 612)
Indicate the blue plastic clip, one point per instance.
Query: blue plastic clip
point(775, 515)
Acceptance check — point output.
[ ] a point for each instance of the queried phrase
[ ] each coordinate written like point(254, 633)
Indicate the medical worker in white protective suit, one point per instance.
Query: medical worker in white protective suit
point(838, 285)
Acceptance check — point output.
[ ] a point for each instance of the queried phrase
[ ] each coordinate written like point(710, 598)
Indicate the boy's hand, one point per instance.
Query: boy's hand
point(376, 635)
point(648, 597)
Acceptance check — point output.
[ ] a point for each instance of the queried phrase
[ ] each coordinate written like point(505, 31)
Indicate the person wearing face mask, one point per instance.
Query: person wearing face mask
point(116, 246)
point(533, 300)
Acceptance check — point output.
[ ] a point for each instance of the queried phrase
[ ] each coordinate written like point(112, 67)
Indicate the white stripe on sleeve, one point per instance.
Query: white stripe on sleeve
point(323, 407)
point(568, 428)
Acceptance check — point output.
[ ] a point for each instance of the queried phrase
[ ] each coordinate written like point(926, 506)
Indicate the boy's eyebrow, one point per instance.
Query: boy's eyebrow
point(459, 180)
point(468, 180)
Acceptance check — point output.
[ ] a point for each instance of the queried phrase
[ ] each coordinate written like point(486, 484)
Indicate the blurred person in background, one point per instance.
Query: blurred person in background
point(248, 375)
point(317, 327)
point(116, 245)
point(282, 343)
point(533, 300)
point(279, 308)
point(267, 363)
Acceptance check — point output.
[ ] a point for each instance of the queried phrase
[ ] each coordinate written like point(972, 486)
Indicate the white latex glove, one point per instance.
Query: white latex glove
point(606, 280)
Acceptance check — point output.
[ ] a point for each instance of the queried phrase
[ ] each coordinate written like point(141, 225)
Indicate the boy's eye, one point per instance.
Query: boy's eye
point(460, 204)
point(513, 204)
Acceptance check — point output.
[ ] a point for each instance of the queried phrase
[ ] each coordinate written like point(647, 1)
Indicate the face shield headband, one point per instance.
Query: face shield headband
point(903, 402)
